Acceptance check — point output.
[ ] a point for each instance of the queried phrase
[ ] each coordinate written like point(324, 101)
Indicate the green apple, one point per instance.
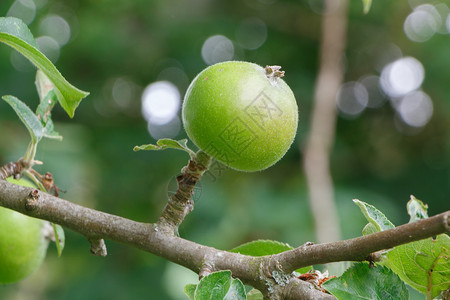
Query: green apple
point(22, 243)
point(241, 114)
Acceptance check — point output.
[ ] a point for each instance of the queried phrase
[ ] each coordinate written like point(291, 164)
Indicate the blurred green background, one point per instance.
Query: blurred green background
point(393, 131)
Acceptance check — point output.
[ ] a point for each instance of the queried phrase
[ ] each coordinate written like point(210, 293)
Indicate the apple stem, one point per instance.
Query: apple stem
point(273, 72)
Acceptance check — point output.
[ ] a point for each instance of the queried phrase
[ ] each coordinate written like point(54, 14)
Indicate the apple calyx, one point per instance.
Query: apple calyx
point(274, 72)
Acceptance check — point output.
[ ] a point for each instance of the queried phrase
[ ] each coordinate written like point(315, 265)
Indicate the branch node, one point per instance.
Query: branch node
point(13, 169)
point(207, 266)
point(205, 270)
point(31, 201)
point(446, 221)
point(98, 247)
point(375, 256)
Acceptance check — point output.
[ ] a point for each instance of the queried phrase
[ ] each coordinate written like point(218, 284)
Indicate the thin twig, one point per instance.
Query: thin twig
point(181, 203)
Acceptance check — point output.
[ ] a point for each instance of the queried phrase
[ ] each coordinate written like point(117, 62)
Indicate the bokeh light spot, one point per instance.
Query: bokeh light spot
point(49, 47)
point(160, 102)
point(175, 75)
point(56, 27)
point(168, 130)
point(216, 49)
point(40, 3)
point(376, 95)
point(251, 34)
point(422, 23)
point(352, 98)
point(416, 109)
point(447, 23)
point(444, 12)
point(20, 63)
point(24, 10)
point(122, 92)
point(402, 77)
point(390, 53)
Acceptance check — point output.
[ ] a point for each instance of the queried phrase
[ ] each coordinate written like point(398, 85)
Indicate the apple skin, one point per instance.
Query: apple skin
point(22, 243)
point(238, 115)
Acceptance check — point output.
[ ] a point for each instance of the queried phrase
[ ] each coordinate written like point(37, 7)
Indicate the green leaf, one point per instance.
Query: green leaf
point(189, 290)
point(220, 285)
point(424, 264)
point(417, 210)
point(49, 131)
point(363, 282)
point(16, 34)
point(266, 247)
point(14, 27)
point(261, 248)
point(369, 229)
point(236, 291)
point(48, 99)
point(167, 144)
point(374, 216)
point(366, 5)
point(43, 85)
point(254, 294)
point(60, 238)
point(44, 108)
point(27, 117)
point(44, 114)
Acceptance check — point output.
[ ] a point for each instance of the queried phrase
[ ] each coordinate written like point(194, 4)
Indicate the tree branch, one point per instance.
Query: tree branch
point(255, 271)
point(359, 249)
